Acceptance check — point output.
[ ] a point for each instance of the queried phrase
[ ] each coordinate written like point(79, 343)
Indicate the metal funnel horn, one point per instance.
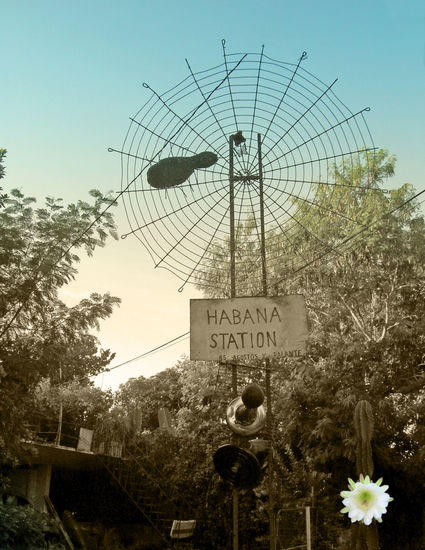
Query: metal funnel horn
point(239, 467)
point(245, 421)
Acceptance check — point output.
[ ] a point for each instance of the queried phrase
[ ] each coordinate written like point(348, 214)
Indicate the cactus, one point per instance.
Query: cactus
point(364, 537)
point(363, 425)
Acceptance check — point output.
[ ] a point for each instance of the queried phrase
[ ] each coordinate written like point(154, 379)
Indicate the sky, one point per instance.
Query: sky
point(72, 74)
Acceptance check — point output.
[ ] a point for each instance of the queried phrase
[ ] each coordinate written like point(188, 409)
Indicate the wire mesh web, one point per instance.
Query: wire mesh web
point(221, 384)
point(304, 130)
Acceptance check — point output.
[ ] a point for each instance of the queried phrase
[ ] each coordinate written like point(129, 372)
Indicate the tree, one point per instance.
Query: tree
point(365, 302)
point(2, 172)
point(61, 409)
point(333, 213)
point(24, 527)
point(182, 462)
point(367, 336)
point(147, 395)
point(40, 337)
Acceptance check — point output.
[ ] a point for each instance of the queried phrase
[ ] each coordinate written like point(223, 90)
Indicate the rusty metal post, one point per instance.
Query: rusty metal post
point(232, 252)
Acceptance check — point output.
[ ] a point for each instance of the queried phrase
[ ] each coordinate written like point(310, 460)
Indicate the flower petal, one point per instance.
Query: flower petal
point(366, 500)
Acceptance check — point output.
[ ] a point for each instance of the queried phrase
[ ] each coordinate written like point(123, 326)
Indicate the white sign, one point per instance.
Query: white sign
point(240, 329)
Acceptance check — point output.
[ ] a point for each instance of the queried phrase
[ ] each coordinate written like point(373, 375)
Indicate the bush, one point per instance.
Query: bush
point(23, 528)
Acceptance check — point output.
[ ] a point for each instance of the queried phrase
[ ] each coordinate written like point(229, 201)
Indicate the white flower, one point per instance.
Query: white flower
point(365, 500)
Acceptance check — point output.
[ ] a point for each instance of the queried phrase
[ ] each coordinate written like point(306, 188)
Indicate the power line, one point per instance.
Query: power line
point(147, 353)
point(186, 334)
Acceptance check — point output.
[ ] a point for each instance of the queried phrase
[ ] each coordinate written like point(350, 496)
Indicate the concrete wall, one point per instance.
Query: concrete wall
point(32, 483)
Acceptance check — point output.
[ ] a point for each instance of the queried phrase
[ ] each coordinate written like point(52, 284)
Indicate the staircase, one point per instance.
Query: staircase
point(142, 482)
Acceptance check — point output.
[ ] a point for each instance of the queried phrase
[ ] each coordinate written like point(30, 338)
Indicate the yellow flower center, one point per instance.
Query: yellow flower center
point(365, 499)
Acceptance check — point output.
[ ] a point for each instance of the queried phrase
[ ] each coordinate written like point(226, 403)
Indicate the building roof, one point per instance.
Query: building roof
point(65, 457)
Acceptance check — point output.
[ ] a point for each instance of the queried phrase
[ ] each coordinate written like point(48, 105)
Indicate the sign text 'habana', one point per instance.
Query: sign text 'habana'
point(239, 329)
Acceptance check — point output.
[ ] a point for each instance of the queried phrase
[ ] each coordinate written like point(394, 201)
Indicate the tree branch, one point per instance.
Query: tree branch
point(355, 318)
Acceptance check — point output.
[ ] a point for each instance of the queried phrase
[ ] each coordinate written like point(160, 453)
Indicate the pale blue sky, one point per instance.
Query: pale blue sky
point(72, 74)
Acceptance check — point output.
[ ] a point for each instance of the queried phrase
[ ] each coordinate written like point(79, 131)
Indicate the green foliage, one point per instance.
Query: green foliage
point(366, 345)
point(339, 215)
point(365, 306)
point(37, 252)
point(181, 463)
point(2, 173)
point(82, 405)
point(147, 395)
point(365, 302)
point(2, 156)
point(40, 337)
point(23, 528)
point(247, 254)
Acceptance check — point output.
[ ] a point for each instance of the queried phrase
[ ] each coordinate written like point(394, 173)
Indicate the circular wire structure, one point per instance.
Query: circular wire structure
point(295, 130)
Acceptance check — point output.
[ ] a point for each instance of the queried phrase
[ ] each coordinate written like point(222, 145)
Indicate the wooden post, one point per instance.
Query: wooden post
point(52, 511)
point(60, 419)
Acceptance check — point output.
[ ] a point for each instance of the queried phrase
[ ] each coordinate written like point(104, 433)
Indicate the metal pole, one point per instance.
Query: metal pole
point(232, 223)
point(308, 526)
point(235, 492)
point(262, 227)
point(272, 519)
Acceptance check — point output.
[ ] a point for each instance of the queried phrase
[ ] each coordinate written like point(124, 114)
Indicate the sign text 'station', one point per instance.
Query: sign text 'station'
point(247, 328)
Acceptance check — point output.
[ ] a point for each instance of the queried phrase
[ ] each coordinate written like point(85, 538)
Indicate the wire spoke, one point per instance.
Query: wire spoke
point(194, 111)
point(254, 107)
point(293, 218)
point(168, 214)
point(206, 249)
point(340, 123)
point(303, 56)
point(194, 224)
point(223, 44)
point(330, 184)
point(321, 206)
point(330, 157)
point(206, 100)
point(300, 117)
